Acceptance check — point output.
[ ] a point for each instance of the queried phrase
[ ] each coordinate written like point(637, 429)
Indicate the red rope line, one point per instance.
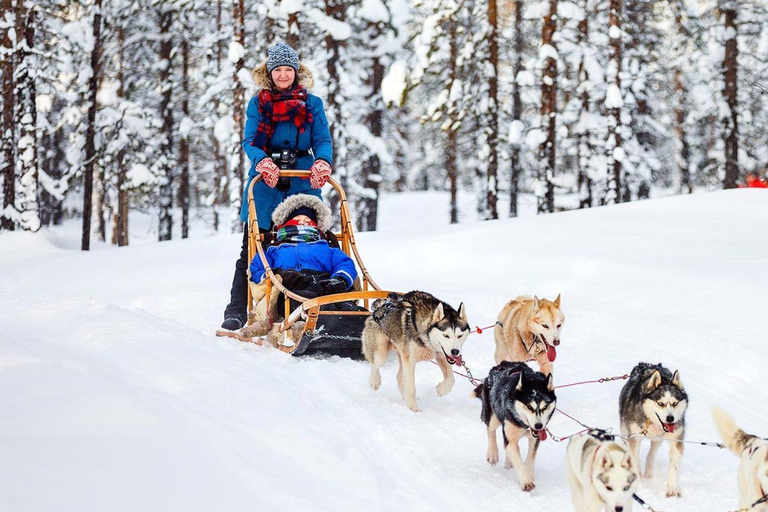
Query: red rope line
point(479, 330)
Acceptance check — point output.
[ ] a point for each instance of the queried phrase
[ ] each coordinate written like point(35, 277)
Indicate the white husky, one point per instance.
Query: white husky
point(602, 473)
point(753, 468)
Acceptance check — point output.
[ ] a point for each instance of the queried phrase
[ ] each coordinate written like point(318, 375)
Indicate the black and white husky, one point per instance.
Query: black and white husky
point(520, 401)
point(652, 403)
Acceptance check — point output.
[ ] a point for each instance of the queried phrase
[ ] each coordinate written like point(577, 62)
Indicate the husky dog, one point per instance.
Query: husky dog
point(418, 327)
point(521, 402)
point(652, 403)
point(753, 468)
point(602, 473)
point(529, 328)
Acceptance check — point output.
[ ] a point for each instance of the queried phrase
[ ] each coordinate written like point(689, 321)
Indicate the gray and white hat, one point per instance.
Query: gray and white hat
point(282, 55)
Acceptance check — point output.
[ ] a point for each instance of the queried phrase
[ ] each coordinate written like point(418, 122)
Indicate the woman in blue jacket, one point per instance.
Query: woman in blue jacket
point(285, 128)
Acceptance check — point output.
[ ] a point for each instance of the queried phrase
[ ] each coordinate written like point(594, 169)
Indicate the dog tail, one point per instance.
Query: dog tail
point(478, 392)
point(735, 438)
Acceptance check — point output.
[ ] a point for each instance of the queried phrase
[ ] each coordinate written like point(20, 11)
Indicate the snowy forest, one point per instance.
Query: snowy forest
point(110, 106)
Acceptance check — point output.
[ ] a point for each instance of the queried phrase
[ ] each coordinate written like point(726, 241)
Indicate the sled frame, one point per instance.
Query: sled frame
point(365, 287)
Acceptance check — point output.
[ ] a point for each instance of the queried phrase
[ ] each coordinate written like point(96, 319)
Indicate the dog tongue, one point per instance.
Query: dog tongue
point(543, 435)
point(670, 427)
point(551, 352)
point(457, 361)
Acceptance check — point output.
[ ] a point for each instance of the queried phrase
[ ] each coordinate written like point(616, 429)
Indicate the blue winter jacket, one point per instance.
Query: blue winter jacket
point(307, 256)
point(316, 137)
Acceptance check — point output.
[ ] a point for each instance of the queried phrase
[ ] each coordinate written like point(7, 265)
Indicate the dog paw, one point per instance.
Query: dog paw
point(673, 491)
point(375, 382)
point(414, 407)
point(508, 464)
point(444, 387)
point(492, 458)
point(648, 474)
point(528, 486)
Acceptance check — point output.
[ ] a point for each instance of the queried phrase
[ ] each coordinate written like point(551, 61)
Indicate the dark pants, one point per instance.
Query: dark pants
point(238, 294)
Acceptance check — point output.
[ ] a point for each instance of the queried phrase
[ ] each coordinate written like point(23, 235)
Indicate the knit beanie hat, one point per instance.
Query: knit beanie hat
point(304, 210)
point(282, 55)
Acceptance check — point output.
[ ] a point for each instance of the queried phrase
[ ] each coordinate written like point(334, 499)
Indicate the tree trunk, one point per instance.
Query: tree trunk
point(238, 17)
point(8, 129)
point(120, 219)
point(165, 230)
point(584, 145)
point(517, 108)
point(334, 9)
point(547, 150)
point(90, 134)
point(371, 172)
point(220, 177)
point(184, 142)
point(614, 145)
point(681, 116)
point(492, 211)
point(730, 76)
point(26, 88)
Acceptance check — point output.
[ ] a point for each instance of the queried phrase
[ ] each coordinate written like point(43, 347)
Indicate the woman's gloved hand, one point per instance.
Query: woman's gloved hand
point(319, 173)
point(270, 173)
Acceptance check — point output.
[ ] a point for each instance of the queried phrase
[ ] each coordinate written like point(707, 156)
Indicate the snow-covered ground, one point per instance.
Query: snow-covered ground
point(116, 395)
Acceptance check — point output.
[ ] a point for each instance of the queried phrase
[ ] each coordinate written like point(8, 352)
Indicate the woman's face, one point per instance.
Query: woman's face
point(283, 77)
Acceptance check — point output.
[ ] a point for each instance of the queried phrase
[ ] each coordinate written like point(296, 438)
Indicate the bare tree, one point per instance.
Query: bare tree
point(547, 149)
point(614, 103)
point(8, 129)
point(184, 140)
point(492, 211)
point(517, 108)
point(730, 76)
point(238, 105)
point(584, 149)
point(90, 135)
point(165, 229)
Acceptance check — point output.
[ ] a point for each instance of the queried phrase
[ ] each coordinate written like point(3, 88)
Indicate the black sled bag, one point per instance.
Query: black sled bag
point(335, 335)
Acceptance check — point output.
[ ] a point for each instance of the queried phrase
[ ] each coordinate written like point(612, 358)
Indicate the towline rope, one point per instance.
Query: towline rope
point(762, 500)
point(601, 380)
point(643, 504)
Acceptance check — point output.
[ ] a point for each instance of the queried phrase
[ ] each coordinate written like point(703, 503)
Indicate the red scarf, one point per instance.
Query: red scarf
point(277, 107)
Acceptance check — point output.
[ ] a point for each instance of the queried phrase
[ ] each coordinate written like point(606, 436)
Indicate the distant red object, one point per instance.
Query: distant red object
point(755, 182)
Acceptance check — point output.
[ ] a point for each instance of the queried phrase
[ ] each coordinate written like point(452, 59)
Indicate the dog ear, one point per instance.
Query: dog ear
point(439, 313)
point(550, 383)
point(557, 301)
point(629, 462)
point(654, 381)
point(519, 386)
point(676, 381)
point(463, 312)
point(536, 304)
point(604, 461)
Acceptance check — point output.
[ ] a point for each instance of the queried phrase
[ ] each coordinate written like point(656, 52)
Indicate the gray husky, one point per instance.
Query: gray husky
point(418, 327)
point(652, 403)
point(520, 401)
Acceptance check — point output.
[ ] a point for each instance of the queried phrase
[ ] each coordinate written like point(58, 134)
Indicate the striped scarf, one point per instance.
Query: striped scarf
point(297, 234)
point(277, 107)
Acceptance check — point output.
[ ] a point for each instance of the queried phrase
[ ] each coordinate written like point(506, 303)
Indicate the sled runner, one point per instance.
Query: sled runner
point(332, 324)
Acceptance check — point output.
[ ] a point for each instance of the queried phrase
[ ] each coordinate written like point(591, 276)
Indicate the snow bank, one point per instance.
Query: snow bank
point(118, 397)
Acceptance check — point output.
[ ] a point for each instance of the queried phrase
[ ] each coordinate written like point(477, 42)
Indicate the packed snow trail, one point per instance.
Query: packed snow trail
point(118, 397)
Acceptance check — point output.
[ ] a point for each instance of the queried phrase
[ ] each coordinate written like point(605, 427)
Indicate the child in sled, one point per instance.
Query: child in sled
point(301, 258)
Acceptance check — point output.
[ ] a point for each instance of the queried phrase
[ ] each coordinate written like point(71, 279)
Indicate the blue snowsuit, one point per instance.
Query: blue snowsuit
point(316, 137)
point(317, 256)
